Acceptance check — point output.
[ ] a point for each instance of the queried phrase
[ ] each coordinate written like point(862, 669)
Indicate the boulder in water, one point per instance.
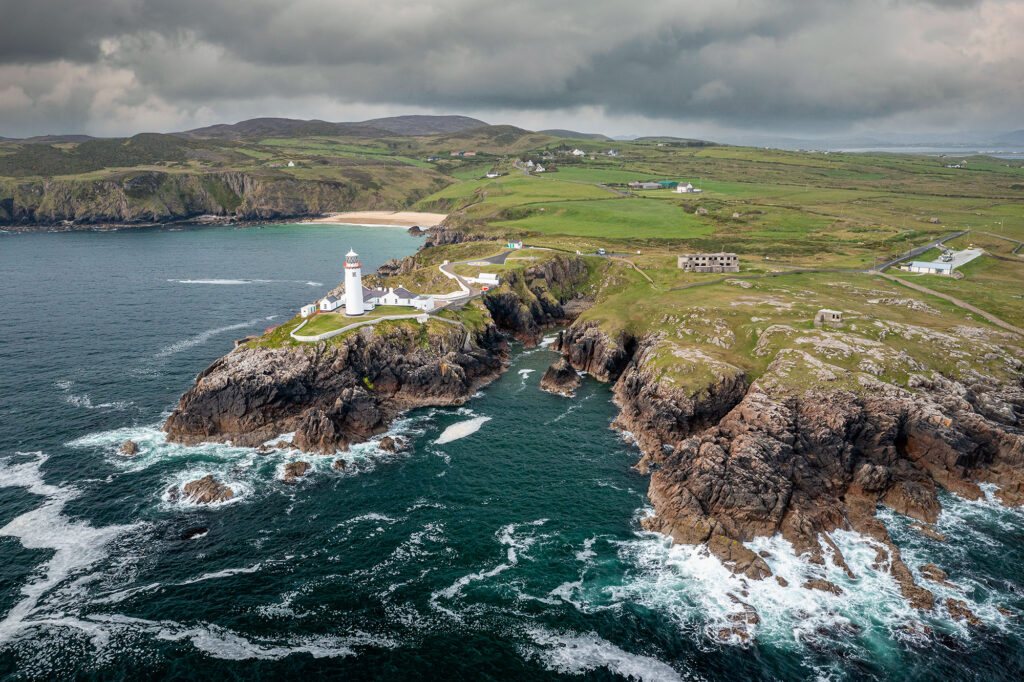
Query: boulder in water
point(959, 611)
point(823, 585)
point(205, 490)
point(339, 465)
point(129, 447)
point(560, 378)
point(293, 470)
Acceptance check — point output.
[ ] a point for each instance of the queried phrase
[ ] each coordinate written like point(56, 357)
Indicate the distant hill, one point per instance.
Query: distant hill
point(423, 125)
point(559, 132)
point(114, 152)
point(50, 139)
point(392, 126)
point(499, 139)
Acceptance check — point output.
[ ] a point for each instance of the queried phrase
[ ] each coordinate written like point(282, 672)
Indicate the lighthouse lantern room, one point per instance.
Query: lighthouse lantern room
point(353, 284)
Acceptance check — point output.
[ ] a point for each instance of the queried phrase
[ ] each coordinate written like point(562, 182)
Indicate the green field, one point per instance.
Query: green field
point(328, 322)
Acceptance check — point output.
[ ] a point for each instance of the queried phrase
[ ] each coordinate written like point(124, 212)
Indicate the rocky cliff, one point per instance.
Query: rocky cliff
point(150, 196)
point(343, 391)
point(809, 447)
point(332, 395)
point(537, 297)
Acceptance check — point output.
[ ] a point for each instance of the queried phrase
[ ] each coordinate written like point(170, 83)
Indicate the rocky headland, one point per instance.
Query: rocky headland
point(811, 446)
point(350, 388)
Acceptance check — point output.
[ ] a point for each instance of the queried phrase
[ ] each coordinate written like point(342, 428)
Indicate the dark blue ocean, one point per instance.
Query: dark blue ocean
point(505, 543)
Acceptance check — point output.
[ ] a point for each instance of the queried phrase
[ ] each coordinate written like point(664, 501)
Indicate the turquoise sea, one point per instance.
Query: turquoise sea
point(505, 543)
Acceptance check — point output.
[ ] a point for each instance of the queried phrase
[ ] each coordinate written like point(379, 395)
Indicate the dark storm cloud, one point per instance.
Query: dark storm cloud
point(782, 64)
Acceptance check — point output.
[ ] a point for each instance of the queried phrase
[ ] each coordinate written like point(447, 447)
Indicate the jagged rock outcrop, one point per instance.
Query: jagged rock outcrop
point(805, 464)
point(590, 350)
point(657, 411)
point(335, 393)
point(527, 302)
point(804, 450)
point(129, 448)
point(397, 266)
point(441, 235)
point(294, 470)
point(332, 395)
point(203, 490)
point(560, 378)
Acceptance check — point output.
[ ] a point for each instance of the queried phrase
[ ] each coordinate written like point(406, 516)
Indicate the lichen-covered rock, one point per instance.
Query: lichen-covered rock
point(129, 448)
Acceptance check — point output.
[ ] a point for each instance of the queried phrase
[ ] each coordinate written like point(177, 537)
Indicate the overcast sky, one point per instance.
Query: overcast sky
point(702, 68)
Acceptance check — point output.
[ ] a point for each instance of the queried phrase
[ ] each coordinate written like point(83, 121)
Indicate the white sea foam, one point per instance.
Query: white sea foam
point(525, 372)
point(461, 430)
point(222, 574)
point(514, 545)
point(569, 653)
point(77, 545)
point(203, 337)
point(211, 281)
point(547, 341)
point(84, 400)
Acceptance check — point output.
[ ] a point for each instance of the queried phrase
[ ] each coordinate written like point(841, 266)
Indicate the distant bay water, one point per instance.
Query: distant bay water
point(504, 543)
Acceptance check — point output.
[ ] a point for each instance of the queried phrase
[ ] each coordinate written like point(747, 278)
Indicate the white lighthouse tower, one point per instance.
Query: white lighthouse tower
point(353, 284)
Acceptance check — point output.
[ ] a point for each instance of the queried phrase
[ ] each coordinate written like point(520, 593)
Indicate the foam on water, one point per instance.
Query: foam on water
point(461, 430)
point(77, 545)
point(203, 337)
point(569, 653)
point(85, 401)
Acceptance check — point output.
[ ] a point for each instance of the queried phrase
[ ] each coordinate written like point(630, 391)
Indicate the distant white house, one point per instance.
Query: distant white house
point(611, 152)
point(529, 164)
point(291, 164)
point(538, 169)
point(401, 297)
point(686, 189)
point(514, 245)
point(492, 174)
point(308, 310)
point(578, 152)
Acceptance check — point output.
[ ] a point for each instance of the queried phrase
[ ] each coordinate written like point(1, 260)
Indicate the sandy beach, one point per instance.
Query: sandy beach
point(402, 218)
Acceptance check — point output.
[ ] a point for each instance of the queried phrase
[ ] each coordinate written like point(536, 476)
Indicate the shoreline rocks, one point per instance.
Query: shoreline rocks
point(561, 379)
point(204, 490)
point(129, 448)
point(294, 470)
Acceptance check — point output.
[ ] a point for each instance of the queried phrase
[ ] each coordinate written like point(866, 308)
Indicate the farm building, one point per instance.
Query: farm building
point(828, 317)
point(686, 188)
point(930, 267)
point(709, 262)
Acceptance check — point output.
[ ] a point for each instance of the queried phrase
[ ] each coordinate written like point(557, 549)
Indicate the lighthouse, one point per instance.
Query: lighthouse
point(353, 284)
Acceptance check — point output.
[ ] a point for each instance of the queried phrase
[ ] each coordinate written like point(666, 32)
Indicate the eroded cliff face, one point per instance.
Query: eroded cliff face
point(157, 196)
point(807, 448)
point(528, 301)
point(333, 395)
